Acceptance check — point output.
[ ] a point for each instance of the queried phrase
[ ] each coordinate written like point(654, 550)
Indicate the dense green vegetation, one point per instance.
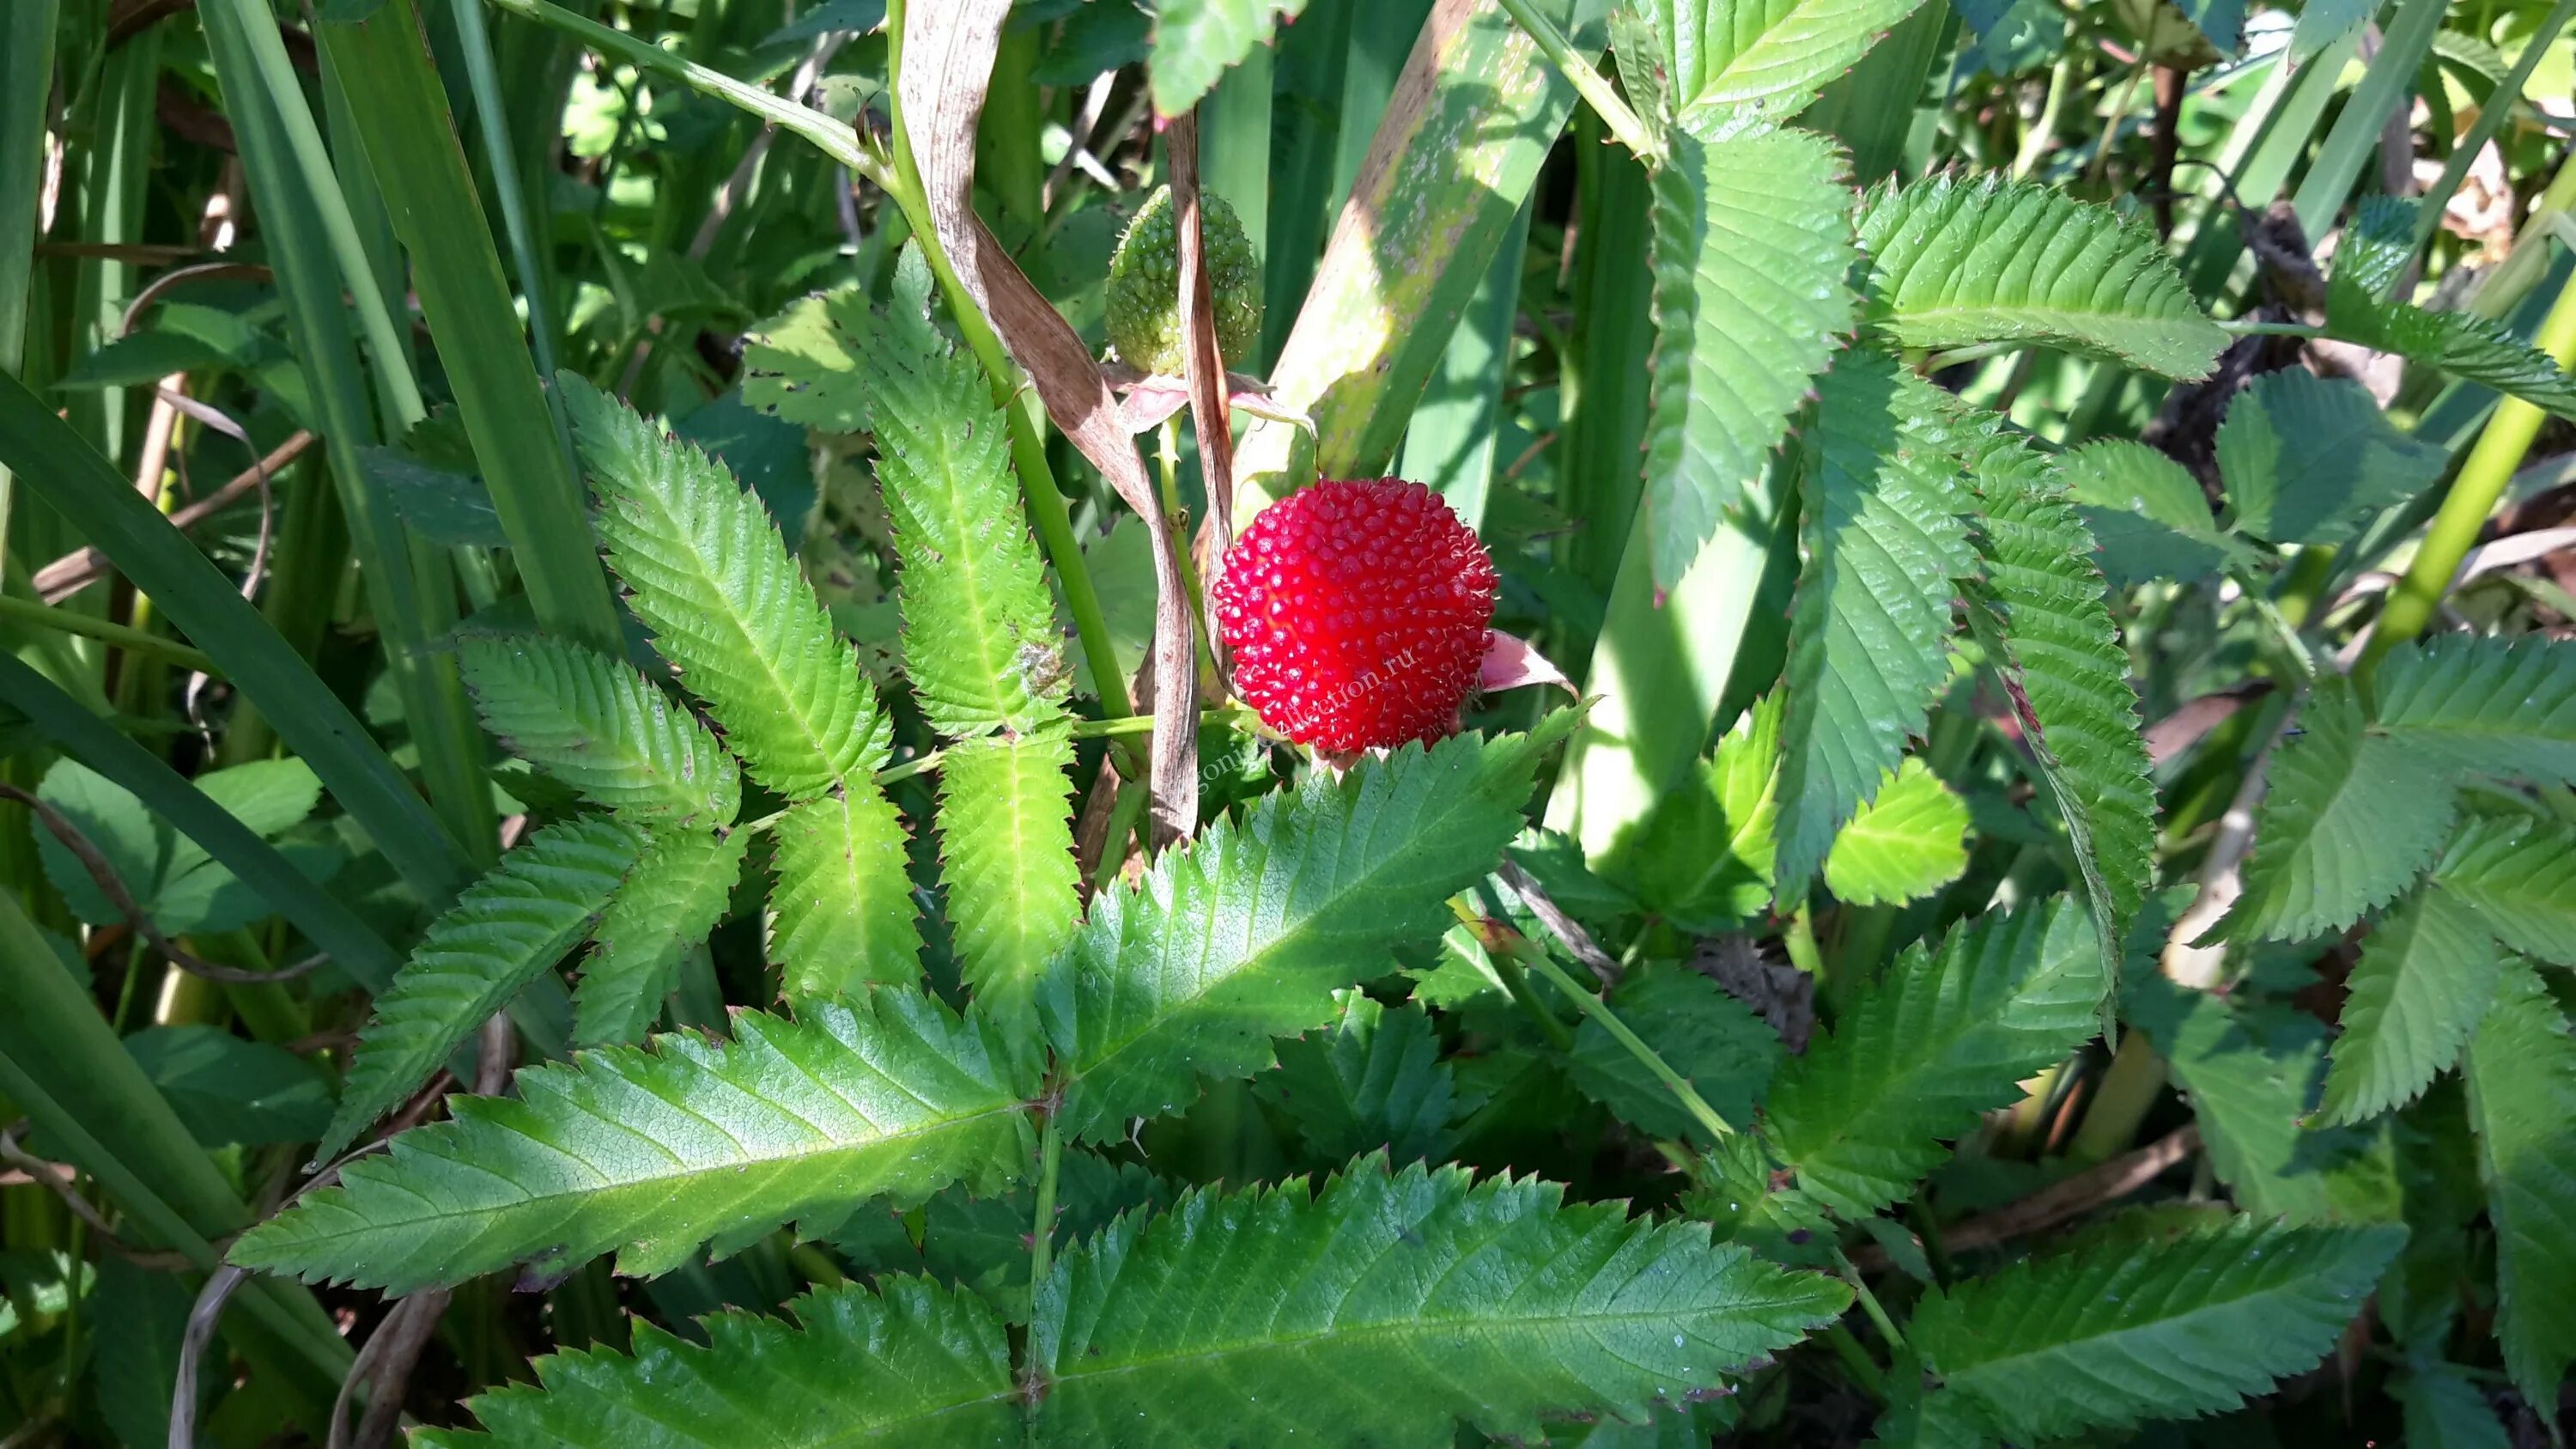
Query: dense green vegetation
point(620, 823)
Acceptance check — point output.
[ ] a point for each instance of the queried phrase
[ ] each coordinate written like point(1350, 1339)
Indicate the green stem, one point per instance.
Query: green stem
point(2500, 448)
point(1867, 1376)
point(835, 139)
point(1123, 813)
point(1589, 83)
point(1597, 1009)
point(1869, 1303)
point(139, 641)
point(1042, 1222)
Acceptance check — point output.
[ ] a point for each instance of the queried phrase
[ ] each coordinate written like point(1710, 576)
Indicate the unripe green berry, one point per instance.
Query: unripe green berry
point(1145, 286)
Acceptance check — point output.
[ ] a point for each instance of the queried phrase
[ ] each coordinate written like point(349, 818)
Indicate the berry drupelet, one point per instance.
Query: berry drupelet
point(1357, 614)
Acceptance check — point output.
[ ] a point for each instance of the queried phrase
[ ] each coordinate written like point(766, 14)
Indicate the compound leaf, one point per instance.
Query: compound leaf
point(1372, 1079)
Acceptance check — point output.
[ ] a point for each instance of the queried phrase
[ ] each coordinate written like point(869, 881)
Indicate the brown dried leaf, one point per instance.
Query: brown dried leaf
point(947, 69)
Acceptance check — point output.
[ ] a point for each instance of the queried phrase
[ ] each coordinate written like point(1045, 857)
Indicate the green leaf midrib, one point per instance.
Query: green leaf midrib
point(982, 623)
point(2152, 1327)
point(1896, 317)
point(379, 1224)
point(748, 642)
point(1490, 1322)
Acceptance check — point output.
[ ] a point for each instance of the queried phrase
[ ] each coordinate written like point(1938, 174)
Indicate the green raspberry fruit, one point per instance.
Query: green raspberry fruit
point(1145, 287)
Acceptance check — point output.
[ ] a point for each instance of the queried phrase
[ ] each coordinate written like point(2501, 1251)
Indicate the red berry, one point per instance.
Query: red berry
point(1356, 612)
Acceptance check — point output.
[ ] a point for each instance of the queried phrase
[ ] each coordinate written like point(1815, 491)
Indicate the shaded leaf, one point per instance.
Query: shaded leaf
point(1947, 1035)
point(2491, 705)
point(1714, 1041)
point(2519, 875)
point(2522, 1098)
point(502, 932)
point(1703, 859)
point(1372, 1079)
point(2148, 1317)
point(2422, 983)
point(677, 893)
point(2147, 514)
point(2308, 459)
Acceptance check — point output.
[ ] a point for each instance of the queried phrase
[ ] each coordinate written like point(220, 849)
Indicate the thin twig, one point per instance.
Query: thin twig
point(2062, 1201)
point(80, 568)
point(103, 875)
point(57, 1179)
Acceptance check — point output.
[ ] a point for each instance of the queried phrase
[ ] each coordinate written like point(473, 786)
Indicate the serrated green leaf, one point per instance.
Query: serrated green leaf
point(2352, 818)
point(982, 1243)
point(2490, 705)
point(1006, 847)
point(2173, 1321)
point(1955, 262)
point(227, 1090)
point(912, 1366)
point(1736, 63)
point(1910, 840)
point(2041, 611)
point(980, 643)
point(652, 1152)
point(1738, 1187)
point(1886, 533)
point(726, 605)
point(1371, 1079)
point(1714, 1041)
point(2309, 459)
point(1244, 935)
point(843, 916)
point(1752, 240)
point(2519, 875)
point(2251, 1074)
point(675, 896)
point(1197, 41)
point(2147, 514)
point(505, 929)
point(803, 364)
point(1381, 1308)
point(2471, 348)
point(2522, 1098)
point(599, 726)
point(1703, 859)
point(2423, 981)
point(1947, 1035)
point(2378, 245)
point(141, 1318)
point(2445, 1409)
